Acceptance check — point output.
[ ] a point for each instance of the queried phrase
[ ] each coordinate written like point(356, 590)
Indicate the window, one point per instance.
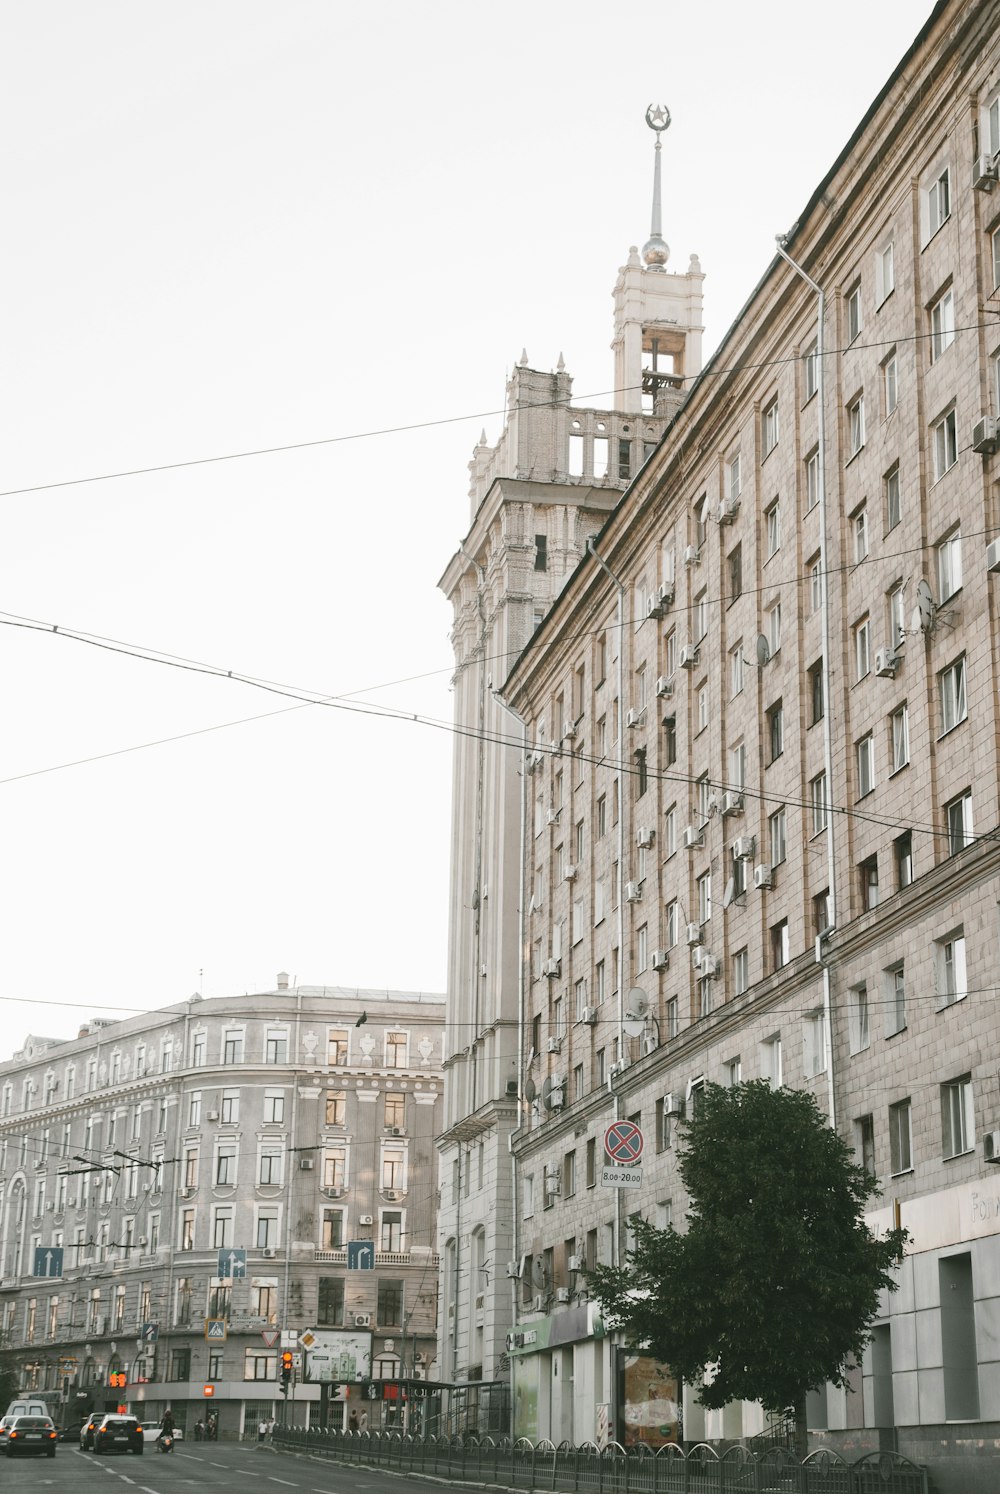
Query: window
point(334, 1167)
point(897, 628)
point(958, 817)
point(332, 1229)
point(735, 564)
point(222, 1228)
point(902, 848)
point(859, 527)
point(868, 879)
point(702, 707)
point(958, 1130)
point(337, 1047)
point(951, 689)
point(194, 1108)
point(812, 480)
point(890, 489)
point(936, 204)
point(770, 1061)
point(894, 987)
point(862, 648)
point(276, 1045)
point(390, 1304)
point(734, 476)
point(772, 519)
point(331, 1300)
point(274, 1107)
point(705, 897)
point(864, 753)
point(885, 273)
point(864, 1142)
point(336, 1107)
point(995, 256)
point(777, 831)
point(225, 1165)
point(673, 1018)
point(736, 670)
point(738, 766)
point(814, 1043)
point(396, 1050)
point(952, 983)
point(775, 731)
point(672, 923)
point(198, 1056)
point(810, 370)
point(769, 428)
point(817, 799)
point(942, 324)
point(741, 976)
point(900, 1145)
point(541, 552)
point(772, 620)
point(260, 1364)
point(814, 570)
point(855, 426)
point(271, 1158)
point(779, 945)
point(267, 1229)
point(944, 434)
point(857, 1018)
point(700, 617)
point(889, 385)
point(949, 565)
point(853, 312)
point(232, 1046)
point(641, 949)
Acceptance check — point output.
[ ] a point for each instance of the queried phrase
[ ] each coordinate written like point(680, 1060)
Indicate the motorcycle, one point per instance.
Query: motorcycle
point(165, 1443)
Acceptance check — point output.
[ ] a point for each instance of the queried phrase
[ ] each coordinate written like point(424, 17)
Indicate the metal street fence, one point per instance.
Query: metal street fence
point(522, 1464)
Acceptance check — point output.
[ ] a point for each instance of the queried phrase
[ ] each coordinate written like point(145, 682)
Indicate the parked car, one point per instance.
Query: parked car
point(88, 1429)
point(5, 1426)
point(115, 1433)
point(71, 1431)
point(152, 1429)
point(32, 1434)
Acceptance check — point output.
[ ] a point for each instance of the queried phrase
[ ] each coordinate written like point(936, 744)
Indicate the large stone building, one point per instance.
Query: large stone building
point(137, 1157)
point(753, 831)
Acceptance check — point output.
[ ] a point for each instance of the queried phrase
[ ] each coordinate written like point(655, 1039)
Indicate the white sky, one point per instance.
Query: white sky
point(232, 224)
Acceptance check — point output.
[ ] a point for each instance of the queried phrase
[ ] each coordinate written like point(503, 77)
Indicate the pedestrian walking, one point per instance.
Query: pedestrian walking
point(262, 1429)
point(352, 1422)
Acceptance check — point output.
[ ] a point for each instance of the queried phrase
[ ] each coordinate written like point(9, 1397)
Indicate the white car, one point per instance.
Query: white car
point(152, 1429)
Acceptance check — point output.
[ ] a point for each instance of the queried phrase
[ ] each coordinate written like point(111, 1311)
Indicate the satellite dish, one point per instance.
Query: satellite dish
point(923, 613)
point(552, 1094)
point(529, 1091)
point(729, 893)
point(637, 1003)
point(763, 651)
point(539, 1274)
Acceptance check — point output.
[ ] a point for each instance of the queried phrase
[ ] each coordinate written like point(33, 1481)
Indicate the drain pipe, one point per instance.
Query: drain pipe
point(619, 1252)
point(824, 582)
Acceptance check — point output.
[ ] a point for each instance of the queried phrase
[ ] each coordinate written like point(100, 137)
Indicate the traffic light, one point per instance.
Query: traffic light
point(117, 1380)
point(286, 1370)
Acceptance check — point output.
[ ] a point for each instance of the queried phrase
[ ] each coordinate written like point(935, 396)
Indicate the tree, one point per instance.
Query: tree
point(10, 1382)
point(771, 1290)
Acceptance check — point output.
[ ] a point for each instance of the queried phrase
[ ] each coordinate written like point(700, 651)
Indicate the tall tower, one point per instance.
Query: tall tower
point(537, 497)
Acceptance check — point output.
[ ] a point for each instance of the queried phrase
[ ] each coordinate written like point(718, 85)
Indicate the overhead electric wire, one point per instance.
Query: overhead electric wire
point(579, 402)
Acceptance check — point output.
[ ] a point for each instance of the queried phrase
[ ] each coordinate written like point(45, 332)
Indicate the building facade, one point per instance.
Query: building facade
point(177, 1186)
point(761, 781)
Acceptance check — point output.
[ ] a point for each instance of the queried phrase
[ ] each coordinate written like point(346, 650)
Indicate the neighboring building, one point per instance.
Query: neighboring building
point(286, 1124)
point(536, 498)
point(762, 776)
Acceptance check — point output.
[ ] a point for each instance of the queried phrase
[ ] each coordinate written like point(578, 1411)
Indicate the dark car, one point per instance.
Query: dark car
point(118, 1434)
point(32, 1434)
point(71, 1431)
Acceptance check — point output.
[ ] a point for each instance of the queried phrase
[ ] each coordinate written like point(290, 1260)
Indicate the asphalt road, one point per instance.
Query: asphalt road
point(222, 1467)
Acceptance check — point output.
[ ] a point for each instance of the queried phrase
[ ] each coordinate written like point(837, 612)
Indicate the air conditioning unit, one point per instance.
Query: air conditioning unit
point(551, 969)
point(553, 817)
point(633, 892)
point(689, 656)
point(553, 1045)
point(71, 1203)
point(991, 1146)
point(644, 838)
point(728, 509)
point(694, 933)
point(698, 953)
point(553, 1182)
point(692, 555)
point(365, 1219)
point(589, 1016)
point(212, 1115)
point(569, 730)
point(143, 1239)
point(665, 594)
point(269, 1254)
point(732, 802)
point(673, 1105)
point(306, 1164)
point(984, 174)
point(654, 607)
point(986, 435)
point(709, 966)
point(692, 837)
point(362, 1320)
point(48, 1207)
point(661, 959)
point(569, 875)
point(393, 1195)
point(557, 1097)
point(535, 760)
point(562, 1294)
point(539, 1302)
point(633, 719)
point(744, 847)
point(886, 662)
point(574, 1263)
point(993, 556)
point(762, 876)
point(187, 1192)
point(396, 1130)
point(664, 687)
point(514, 1270)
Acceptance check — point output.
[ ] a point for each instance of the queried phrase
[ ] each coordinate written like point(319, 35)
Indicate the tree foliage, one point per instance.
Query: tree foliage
point(776, 1279)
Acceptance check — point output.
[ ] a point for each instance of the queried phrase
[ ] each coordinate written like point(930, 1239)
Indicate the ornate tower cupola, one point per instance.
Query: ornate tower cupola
point(658, 313)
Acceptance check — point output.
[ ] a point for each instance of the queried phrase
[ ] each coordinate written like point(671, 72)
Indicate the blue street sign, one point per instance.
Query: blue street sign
point(361, 1255)
point(149, 1333)
point(232, 1264)
point(48, 1260)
